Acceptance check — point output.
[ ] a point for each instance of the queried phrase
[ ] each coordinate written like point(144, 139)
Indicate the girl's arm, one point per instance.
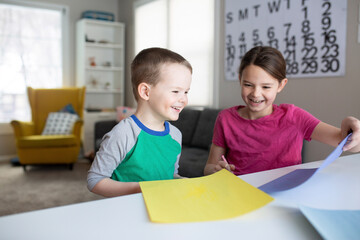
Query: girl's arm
point(111, 188)
point(215, 162)
point(331, 135)
point(327, 134)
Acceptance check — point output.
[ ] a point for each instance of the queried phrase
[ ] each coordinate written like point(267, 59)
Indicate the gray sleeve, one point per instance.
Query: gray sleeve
point(177, 136)
point(114, 148)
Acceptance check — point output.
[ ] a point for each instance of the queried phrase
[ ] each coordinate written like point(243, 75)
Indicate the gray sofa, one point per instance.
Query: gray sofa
point(196, 127)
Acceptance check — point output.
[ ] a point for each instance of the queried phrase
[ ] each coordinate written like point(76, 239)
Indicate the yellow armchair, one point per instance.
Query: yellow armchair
point(35, 148)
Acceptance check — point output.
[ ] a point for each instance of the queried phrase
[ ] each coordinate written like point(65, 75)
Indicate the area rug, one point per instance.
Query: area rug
point(43, 186)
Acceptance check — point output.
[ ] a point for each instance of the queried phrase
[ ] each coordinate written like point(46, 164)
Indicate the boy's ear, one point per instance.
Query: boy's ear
point(282, 84)
point(144, 90)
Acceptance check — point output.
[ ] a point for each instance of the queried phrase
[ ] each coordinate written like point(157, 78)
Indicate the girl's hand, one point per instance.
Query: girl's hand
point(217, 161)
point(347, 125)
point(223, 165)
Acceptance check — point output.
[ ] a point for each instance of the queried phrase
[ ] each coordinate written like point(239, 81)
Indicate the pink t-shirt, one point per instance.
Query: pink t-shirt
point(269, 142)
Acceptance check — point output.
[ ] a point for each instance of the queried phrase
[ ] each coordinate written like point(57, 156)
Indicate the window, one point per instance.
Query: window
point(31, 54)
point(186, 27)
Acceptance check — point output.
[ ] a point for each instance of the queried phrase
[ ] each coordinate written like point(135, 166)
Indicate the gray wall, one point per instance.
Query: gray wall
point(126, 16)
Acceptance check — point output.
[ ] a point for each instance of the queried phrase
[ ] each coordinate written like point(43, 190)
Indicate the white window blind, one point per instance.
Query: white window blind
point(31, 42)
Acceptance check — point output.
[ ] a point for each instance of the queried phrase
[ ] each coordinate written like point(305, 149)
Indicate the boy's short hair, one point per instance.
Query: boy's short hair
point(146, 66)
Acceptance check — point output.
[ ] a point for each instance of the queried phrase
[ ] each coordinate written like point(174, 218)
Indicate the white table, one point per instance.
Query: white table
point(126, 217)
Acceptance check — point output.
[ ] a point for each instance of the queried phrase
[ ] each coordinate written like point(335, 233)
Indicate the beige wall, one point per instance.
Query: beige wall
point(329, 99)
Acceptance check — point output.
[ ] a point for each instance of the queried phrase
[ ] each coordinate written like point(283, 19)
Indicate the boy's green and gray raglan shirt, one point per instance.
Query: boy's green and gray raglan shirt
point(131, 152)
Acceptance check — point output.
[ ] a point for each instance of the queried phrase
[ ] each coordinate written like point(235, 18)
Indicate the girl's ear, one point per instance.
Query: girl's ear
point(282, 84)
point(144, 91)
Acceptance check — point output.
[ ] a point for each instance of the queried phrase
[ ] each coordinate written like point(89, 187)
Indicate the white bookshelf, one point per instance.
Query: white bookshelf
point(104, 42)
point(104, 81)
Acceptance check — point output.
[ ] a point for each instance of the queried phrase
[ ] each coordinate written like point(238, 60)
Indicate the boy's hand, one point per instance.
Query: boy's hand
point(351, 124)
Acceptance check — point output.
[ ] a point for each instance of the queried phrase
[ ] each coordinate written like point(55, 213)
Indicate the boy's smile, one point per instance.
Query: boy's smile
point(178, 109)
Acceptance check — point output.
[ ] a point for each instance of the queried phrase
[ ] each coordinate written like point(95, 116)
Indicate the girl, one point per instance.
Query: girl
point(261, 135)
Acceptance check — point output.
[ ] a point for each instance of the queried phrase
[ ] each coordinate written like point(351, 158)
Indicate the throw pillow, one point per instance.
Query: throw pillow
point(68, 109)
point(123, 112)
point(59, 123)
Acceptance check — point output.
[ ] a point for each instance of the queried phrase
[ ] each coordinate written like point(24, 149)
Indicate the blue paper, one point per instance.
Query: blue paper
point(334, 154)
point(334, 224)
point(299, 176)
point(288, 181)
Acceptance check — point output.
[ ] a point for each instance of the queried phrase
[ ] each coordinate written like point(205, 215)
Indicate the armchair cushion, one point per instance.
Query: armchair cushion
point(59, 123)
point(40, 141)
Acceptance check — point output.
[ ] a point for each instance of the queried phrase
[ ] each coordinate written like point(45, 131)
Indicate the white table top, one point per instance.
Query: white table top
point(126, 217)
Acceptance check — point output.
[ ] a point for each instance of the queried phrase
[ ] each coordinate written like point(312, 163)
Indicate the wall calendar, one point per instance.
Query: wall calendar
point(310, 34)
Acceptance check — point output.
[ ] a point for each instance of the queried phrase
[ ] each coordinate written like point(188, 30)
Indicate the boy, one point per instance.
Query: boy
point(145, 146)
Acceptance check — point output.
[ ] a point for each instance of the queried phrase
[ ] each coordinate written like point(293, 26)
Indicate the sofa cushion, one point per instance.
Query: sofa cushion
point(192, 162)
point(187, 123)
point(101, 128)
point(204, 130)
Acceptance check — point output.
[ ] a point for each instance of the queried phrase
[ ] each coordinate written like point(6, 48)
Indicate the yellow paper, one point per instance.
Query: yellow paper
point(218, 196)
